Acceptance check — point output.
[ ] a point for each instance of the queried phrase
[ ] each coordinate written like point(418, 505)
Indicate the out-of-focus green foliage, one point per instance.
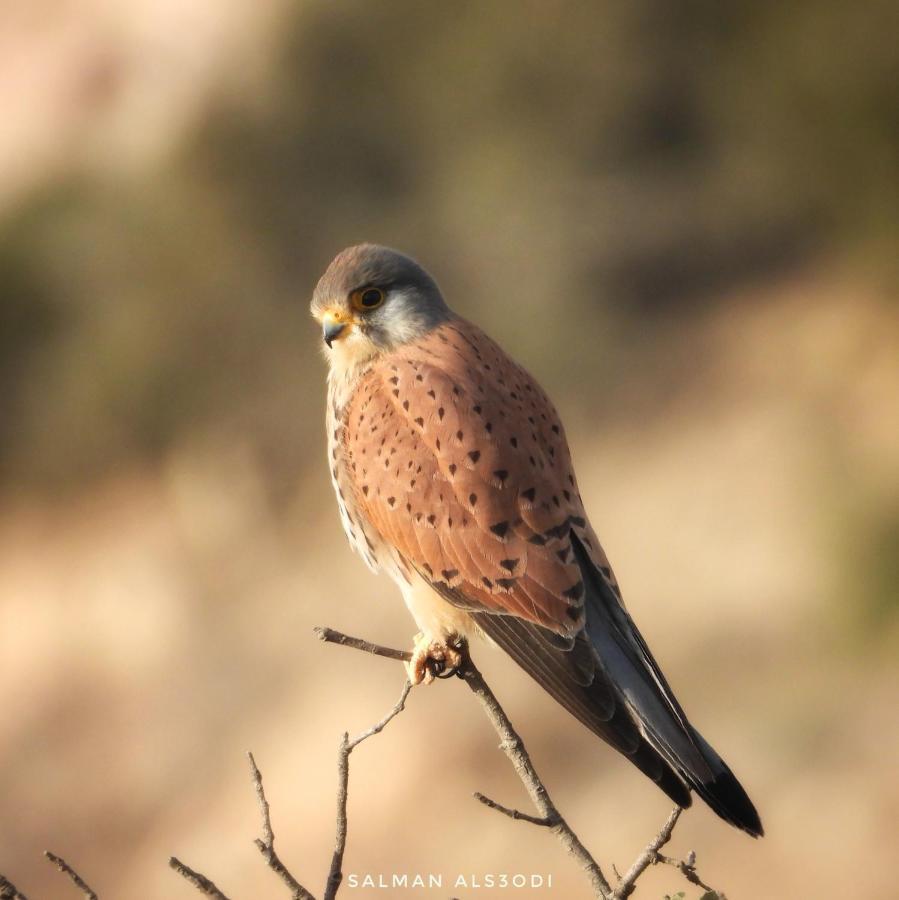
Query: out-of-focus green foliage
point(550, 162)
point(871, 592)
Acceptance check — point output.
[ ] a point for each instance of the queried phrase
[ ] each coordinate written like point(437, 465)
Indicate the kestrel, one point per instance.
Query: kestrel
point(453, 475)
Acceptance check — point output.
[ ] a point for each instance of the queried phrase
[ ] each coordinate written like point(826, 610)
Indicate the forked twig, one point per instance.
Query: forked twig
point(266, 843)
point(648, 857)
point(335, 874)
point(687, 868)
point(511, 744)
point(549, 816)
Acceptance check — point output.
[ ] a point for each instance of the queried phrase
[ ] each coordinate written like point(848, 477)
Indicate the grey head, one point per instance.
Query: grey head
point(372, 300)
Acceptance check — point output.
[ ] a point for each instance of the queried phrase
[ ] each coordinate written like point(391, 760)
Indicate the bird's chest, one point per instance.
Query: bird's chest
point(362, 535)
point(351, 516)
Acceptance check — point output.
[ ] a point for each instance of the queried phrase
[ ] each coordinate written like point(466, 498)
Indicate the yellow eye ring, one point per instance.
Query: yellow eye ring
point(367, 298)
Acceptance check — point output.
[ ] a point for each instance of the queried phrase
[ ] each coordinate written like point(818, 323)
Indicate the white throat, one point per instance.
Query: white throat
point(348, 360)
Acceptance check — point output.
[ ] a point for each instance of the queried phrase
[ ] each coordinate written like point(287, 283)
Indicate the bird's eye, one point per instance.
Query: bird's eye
point(369, 298)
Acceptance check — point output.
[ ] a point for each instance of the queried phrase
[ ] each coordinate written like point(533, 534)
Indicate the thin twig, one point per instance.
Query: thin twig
point(687, 868)
point(512, 745)
point(329, 635)
point(378, 727)
point(200, 882)
point(8, 891)
point(66, 869)
point(266, 843)
point(335, 874)
point(649, 856)
point(511, 813)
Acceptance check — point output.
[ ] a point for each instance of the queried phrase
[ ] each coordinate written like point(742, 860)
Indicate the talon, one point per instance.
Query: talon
point(434, 658)
point(417, 667)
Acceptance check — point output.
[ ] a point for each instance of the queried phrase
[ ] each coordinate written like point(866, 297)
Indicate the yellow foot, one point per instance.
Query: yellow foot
point(433, 658)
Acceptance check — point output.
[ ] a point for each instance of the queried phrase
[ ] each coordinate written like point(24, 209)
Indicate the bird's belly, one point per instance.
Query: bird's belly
point(437, 618)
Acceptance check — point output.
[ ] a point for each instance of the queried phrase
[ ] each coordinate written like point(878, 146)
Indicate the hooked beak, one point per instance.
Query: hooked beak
point(331, 331)
point(334, 324)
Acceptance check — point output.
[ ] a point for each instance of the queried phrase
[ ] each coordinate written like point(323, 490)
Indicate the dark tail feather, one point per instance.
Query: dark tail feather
point(725, 795)
point(632, 669)
point(593, 702)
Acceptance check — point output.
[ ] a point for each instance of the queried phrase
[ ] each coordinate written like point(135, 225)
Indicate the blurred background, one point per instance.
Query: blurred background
point(681, 218)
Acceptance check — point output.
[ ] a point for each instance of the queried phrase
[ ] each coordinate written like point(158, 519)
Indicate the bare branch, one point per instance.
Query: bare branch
point(649, 856)
point(335, 874)
point(687, 868)
point(8, 891)
point(266, 844)
point(512, 745)
point(511, 813)
point(329, 635)
point(66, 869)
point(378, 727)
point(200, 882)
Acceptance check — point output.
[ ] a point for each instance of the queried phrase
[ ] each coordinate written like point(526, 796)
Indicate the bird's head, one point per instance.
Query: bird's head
point(372, 300)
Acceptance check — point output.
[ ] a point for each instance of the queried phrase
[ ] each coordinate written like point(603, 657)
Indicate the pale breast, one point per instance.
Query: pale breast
point(352, 523)
point(362, 535)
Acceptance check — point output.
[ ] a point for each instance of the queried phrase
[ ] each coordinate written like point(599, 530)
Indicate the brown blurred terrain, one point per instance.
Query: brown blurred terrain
point(681, 219)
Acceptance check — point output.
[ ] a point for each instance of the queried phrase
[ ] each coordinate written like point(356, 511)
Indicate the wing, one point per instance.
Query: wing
point(459, 460)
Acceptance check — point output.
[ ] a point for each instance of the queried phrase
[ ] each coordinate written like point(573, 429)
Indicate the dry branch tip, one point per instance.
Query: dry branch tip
point(66, 869)
point(266, 844)
point(8, 891)
point(512, 813)
point(203, 884)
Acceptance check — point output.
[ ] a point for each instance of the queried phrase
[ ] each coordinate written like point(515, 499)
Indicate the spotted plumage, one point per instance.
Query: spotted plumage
point(453, 474)
point(437, 475)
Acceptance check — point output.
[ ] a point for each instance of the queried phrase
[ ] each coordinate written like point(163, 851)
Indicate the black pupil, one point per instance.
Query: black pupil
point(371, 298)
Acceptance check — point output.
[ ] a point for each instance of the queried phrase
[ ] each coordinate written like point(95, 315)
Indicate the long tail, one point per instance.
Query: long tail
point(724, 794)
point(638, 681)
point(601, 706)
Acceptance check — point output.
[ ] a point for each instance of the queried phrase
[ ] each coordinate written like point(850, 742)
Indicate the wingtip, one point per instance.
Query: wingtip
point(726, 796)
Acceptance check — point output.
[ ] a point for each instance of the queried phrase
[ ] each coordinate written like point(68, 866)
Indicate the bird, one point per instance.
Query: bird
point(453, 474)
